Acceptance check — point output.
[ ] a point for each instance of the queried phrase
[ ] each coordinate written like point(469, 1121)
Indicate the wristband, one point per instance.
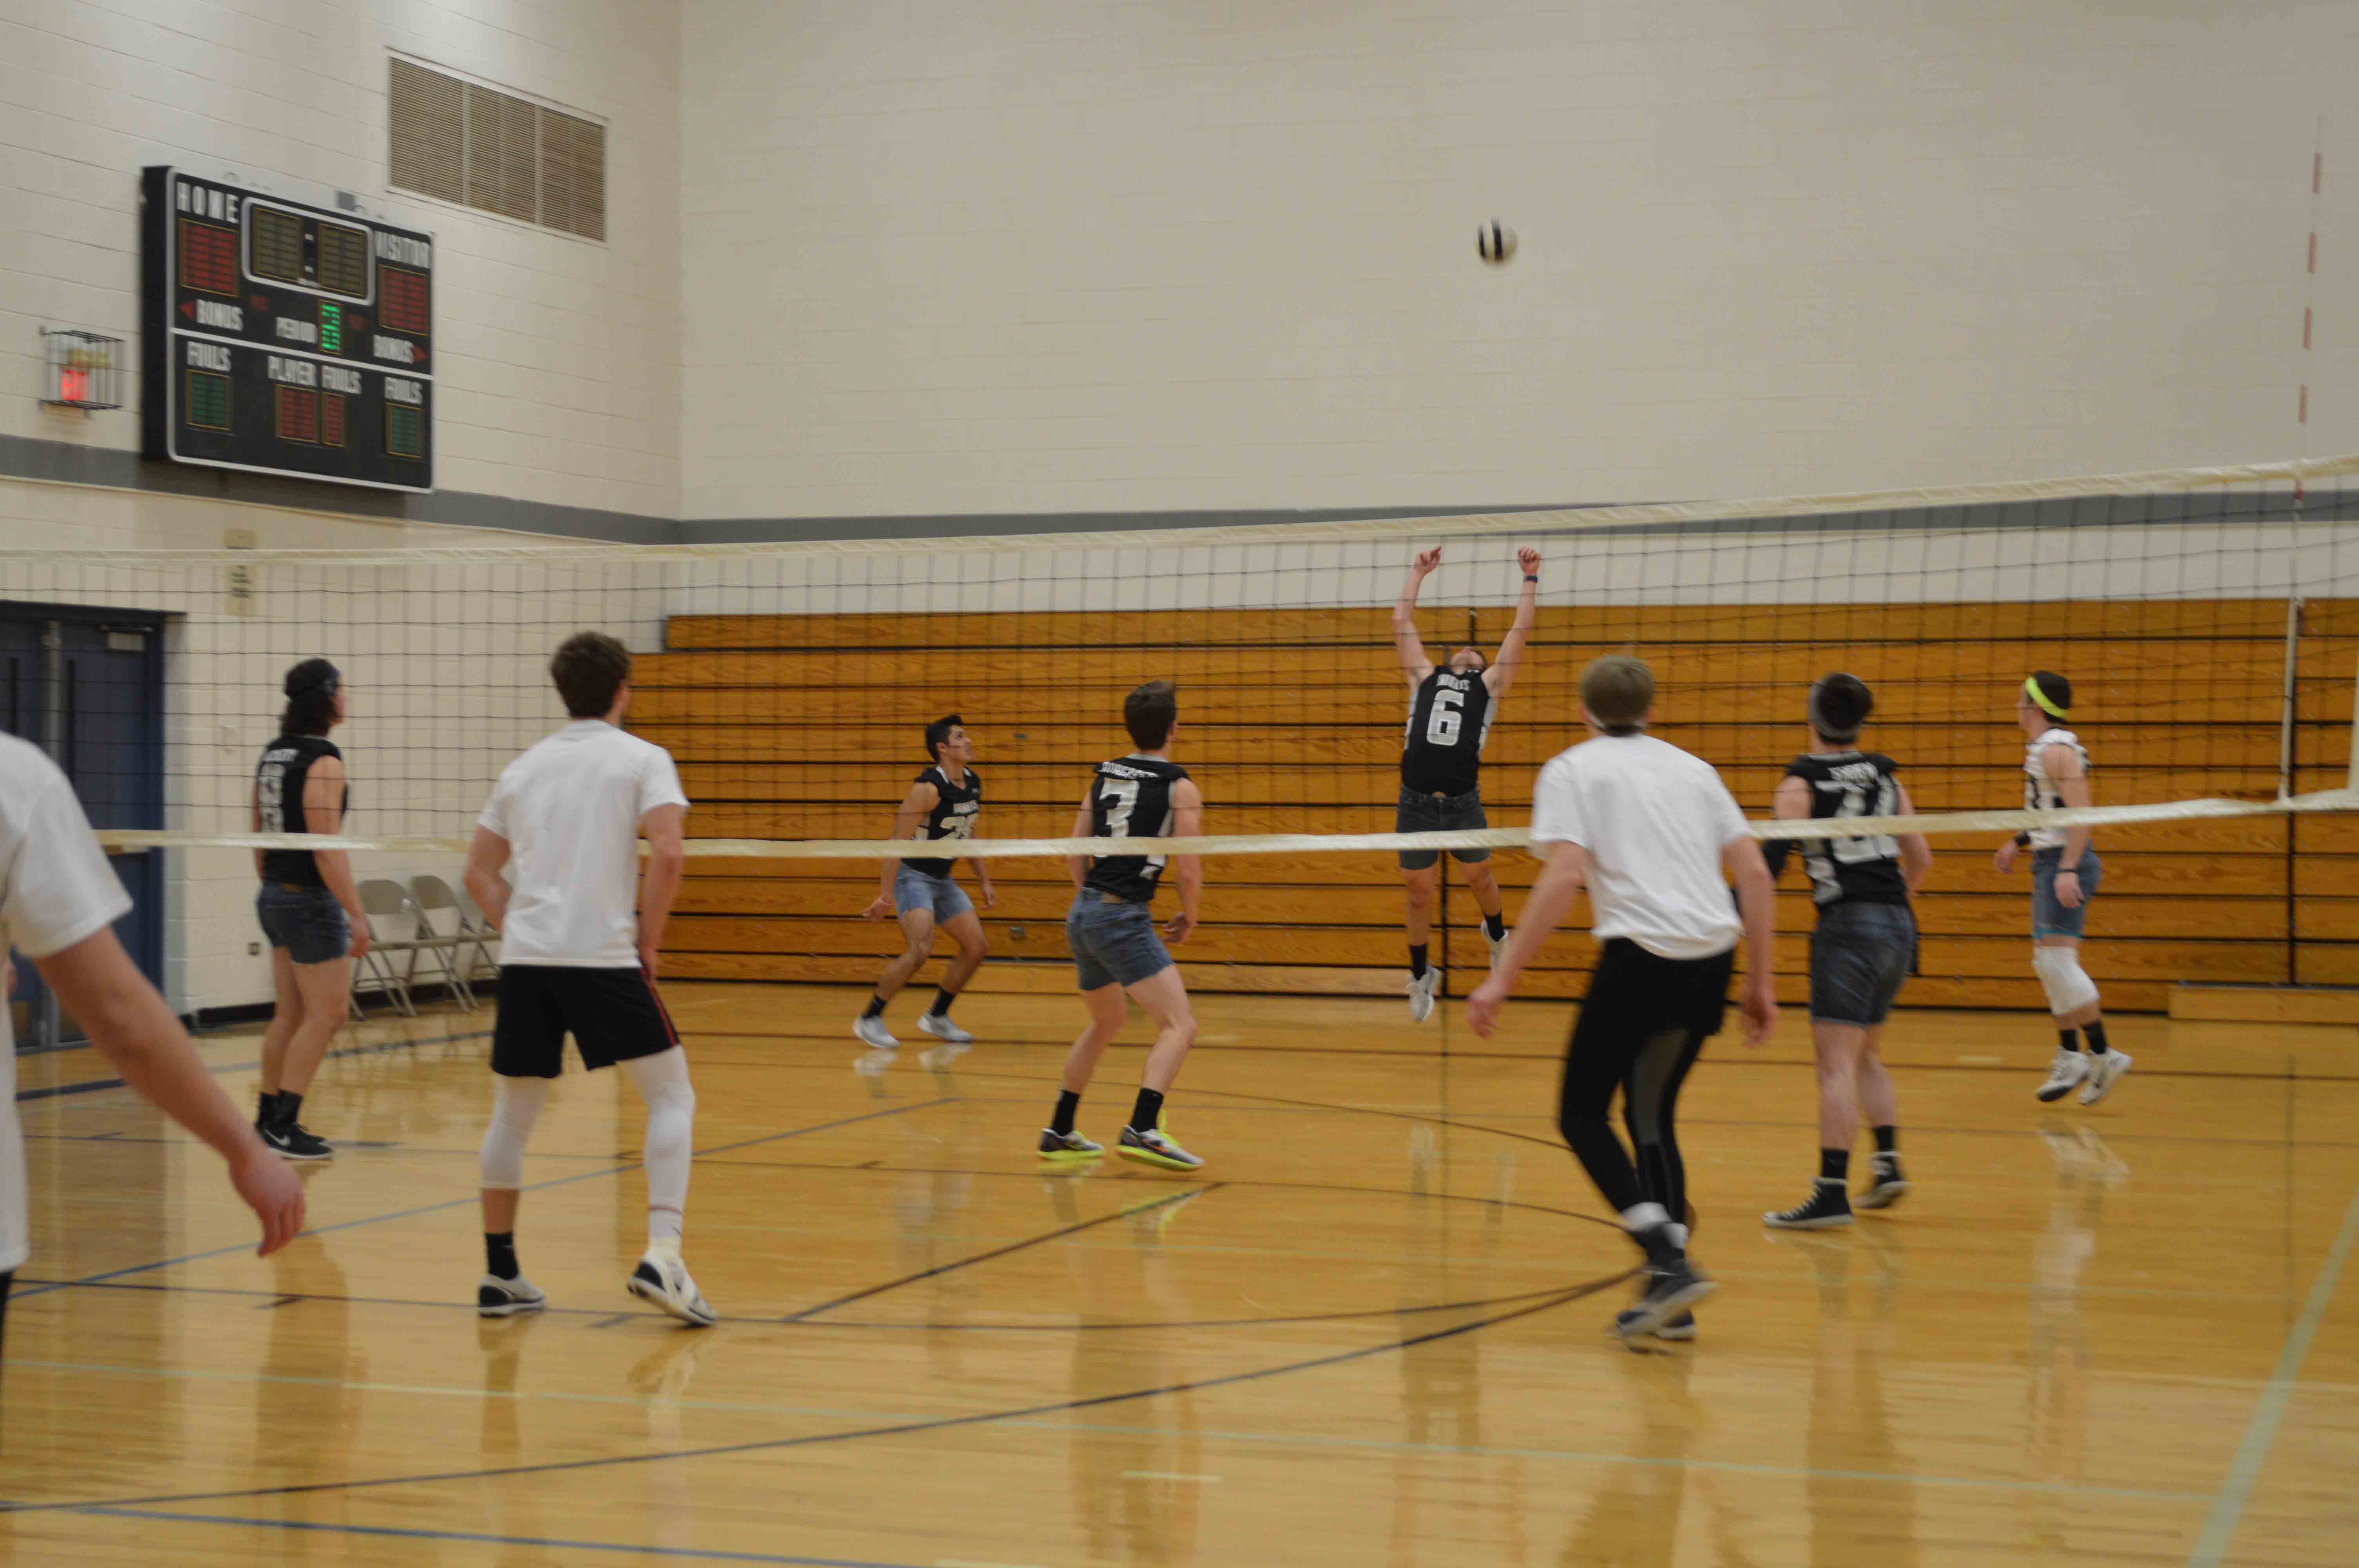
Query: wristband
point(1531, 576)
point(2023, 841)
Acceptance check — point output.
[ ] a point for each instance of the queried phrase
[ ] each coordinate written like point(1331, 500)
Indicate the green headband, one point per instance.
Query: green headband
point(2031, 689)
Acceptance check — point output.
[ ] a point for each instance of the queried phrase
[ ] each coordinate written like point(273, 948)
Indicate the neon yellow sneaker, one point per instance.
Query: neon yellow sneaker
point(1155, 1147)
point(1067, 1148)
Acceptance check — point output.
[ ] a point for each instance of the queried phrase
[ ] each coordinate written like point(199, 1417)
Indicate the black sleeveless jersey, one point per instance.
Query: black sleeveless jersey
point(1449, 719)
point(956, 806)
point(1131, 799)
point(1852, 871)
point(279, 781)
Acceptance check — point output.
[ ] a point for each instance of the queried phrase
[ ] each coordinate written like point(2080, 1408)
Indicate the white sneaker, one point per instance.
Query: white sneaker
point(2064, 1074)
point(495, 1297)
point(2104, 1073)
point(1420, 994)
point(663, 1279)
point(940, 1026)
point(1498, 946)
point(873, 1031)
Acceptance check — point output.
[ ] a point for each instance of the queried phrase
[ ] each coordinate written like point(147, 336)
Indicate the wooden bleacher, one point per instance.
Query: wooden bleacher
point(808, 726)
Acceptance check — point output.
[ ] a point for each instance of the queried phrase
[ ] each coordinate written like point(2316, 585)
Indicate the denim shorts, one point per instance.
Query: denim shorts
point(308, 922)
point(1114, 944)
point(1859, 955)
point(915, 890)
point(1439, 814)
point(2049, 918)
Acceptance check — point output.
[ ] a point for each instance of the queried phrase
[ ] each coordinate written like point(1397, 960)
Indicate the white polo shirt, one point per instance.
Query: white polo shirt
point(56, 889)
point(570, 809)
point(1654, 820)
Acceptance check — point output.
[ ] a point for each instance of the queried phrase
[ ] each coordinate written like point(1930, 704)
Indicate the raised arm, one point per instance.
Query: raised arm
point(1186, 822)
point(1503, 670)
point(665, 830)
point(922, 798)
point(1406, 641)
point(1915, 854)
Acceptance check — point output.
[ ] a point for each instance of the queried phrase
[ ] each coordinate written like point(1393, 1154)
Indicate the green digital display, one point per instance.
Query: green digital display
point(208, 400)
point(405, 431)
point(332, 328)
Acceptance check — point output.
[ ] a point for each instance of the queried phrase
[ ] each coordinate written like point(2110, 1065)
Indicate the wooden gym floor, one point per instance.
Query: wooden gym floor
point(1370, 1331)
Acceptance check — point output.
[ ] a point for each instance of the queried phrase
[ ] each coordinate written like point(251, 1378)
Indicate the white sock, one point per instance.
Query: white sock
point(662, 1082)
point(1679, 1236)
point(1645, 1216)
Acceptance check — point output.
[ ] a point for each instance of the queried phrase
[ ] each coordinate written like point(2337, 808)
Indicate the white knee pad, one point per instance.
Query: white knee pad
point(662, 1080)
point(515, 1105)
point(2068, 986)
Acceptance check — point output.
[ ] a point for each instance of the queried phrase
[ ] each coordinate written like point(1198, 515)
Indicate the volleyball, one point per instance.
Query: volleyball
point(1495, 242)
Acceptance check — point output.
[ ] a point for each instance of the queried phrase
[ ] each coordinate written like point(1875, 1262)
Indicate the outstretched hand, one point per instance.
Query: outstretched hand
point(1428, 559)
point(1530, 559)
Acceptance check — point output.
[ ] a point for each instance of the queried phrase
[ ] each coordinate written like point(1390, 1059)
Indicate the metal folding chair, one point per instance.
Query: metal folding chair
point(466, 946)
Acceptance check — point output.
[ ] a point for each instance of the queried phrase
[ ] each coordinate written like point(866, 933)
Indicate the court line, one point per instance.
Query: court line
point(896, 1429)
point(2245, 1470)
point(940, 1269)
point(468, 1202)
point(688, 1553)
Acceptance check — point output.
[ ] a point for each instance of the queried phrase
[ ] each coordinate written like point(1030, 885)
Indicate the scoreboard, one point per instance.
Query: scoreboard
point(281, 337)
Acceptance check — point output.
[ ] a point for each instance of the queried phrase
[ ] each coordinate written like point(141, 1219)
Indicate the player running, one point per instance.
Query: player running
point(945, 802)
point(1449, 715)
point(2065, 875)
point(580, 933)
point(1111, 929)
point(1862, 950)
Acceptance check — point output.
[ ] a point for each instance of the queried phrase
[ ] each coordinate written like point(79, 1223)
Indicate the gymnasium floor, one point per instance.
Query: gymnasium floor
point(1370, 1331)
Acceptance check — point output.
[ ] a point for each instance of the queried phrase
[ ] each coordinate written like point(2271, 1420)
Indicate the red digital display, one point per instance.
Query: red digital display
point(299, 415)
point(401, 306)
point(208, 257)
point(331, 419)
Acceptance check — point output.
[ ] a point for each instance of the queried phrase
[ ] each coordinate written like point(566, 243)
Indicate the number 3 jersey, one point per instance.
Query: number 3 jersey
point(1449, 719)
point(956, 806)
point(1852, 871)
point(1131, 799)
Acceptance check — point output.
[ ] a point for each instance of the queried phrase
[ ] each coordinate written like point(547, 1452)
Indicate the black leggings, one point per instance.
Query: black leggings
point(1641, 1028)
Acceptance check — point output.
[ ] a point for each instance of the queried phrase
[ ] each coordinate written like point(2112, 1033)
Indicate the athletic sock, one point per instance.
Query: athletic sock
point(1069, 1105)
point(266, 1111)
point(663, 1227)
point(499, 1254)
point(942, 1008)
point(2095, 1030)
point(290, 1105)
point(875, 1008)
point(1834, 1164)
point(1496, 924)
point(1416, 960)
point(2067, 1040)
point(1147, 1114)
point(1888, 1139)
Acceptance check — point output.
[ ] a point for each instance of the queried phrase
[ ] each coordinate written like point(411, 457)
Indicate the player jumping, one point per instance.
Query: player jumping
point(1449, 715)
point(1110, 930)
point(945, 802)
point(2065, 874)
point(1862, 950)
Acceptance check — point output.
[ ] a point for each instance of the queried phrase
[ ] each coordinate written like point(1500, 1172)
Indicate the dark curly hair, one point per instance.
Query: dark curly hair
point(311, 689)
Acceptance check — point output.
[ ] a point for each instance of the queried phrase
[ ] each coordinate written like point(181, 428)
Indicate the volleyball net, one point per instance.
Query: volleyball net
point(2208, 619)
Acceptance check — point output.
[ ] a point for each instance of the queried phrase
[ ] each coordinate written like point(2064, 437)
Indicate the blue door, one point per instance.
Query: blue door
point(87, 687)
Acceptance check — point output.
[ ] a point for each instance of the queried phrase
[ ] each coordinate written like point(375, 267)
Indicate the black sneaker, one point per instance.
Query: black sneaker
point(292, 1140)
point(1829, 1206)
point(1886, 1185)
point(1670, 1290)
point(1680, 1326)
point(266, 1111)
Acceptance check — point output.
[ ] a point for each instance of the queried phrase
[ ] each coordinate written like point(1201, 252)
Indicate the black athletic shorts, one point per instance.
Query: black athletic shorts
point(614, 1016)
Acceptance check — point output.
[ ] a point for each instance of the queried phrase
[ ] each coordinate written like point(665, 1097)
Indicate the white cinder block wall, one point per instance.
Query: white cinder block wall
point(1013, 255)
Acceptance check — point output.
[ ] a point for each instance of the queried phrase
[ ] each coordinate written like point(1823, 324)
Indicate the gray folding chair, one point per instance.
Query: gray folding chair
point(464, 945)
point(384, 899)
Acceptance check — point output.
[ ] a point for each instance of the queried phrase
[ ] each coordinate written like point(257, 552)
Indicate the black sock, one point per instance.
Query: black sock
point(2067, 1040)
point(289, 1106)
point(1888, 1139)
point(266, 1111)
point(1147, 1114)
point(2095, 1030)
point(1834, 1164)
point(1496, 924)
point(499, 1254)
point(875, 1008)
point(1656, 1243)
point(942, 999)
point(1069, 1105)
point(1416, 959)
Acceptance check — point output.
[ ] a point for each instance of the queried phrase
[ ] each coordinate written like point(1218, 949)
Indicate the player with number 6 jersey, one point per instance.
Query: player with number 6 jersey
point(944, 804)
point(1449, 714)
point(1110, 930)
point(1863, 946)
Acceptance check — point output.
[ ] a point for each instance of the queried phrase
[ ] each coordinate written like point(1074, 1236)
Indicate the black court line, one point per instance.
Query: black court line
point(685, 1553)
point(940, 1268)
point(896, 1429)
point(623, 1169)
point(92, 1086)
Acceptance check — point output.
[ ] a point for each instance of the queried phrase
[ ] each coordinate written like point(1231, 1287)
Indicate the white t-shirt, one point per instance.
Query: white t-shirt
point(56, 889)
point(570, 809)
point(1654, 820)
